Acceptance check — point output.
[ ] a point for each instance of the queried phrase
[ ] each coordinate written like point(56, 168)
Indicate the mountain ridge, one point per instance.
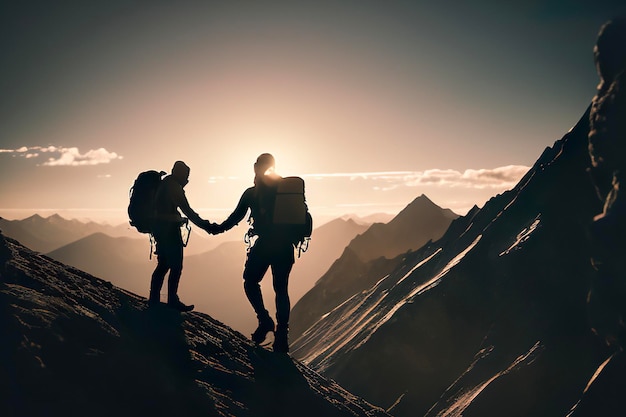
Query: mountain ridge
point(74, 344)
point(491, 319)
point(45, 234)
point(376, 251)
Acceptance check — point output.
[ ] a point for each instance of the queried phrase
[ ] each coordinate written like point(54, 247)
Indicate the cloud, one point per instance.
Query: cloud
point(72, 157)
point(65, 156)
point(496, 178)
point(219, 178)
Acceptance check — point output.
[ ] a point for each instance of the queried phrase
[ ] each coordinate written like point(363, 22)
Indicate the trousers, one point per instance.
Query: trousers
point(169, 250)
point(268, 253)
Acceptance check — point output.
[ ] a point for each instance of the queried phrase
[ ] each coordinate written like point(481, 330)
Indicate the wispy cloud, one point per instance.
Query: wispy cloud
point(72, 157)
point(65, 156)
point(496, 178)
point(216, 179)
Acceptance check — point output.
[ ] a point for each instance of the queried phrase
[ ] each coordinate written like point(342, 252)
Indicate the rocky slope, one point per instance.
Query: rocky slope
point(75, 345)
point(491, 320)
point(369, 256)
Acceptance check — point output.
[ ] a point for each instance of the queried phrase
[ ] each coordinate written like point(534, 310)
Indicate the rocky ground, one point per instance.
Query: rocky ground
point(75, 345)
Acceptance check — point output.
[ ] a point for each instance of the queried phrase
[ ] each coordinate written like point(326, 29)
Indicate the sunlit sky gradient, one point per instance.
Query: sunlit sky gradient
point(373, 103)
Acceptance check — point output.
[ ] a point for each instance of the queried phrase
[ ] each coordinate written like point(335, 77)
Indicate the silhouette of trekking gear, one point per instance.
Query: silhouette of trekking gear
point(266, 325)
point(288, 214)
point(141, 210)
point(281, 342)
point(142, 206)
point(176, 304)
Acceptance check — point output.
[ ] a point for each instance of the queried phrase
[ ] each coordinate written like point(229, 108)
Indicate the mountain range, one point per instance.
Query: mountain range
point(369, 256)
point(211, 279)
point(45, 234)
point(495, 318)
point(75, 345)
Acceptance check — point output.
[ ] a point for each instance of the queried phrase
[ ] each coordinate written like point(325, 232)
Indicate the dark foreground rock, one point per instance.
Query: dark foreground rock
point(75, 345)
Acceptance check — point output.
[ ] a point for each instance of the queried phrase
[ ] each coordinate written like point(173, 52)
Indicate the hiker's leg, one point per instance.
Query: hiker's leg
point(280, 275)
point(255, 269)
point(253, 273)
point(158, 276)
point(175, 253)
point(281, 268)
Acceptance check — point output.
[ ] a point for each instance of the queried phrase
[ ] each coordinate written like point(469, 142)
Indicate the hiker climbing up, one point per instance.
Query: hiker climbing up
point(169, 198)
point(280, 221)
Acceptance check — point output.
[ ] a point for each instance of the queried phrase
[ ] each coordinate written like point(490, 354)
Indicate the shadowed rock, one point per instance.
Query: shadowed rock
point(73, 344)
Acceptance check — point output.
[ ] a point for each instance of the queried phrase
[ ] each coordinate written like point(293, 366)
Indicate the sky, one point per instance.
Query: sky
point(373, 103)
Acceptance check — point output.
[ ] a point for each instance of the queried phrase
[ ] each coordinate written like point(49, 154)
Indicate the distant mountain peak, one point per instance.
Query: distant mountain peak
point(57, 219)
point(423, 199)
point(34, 217)
point(421, 208)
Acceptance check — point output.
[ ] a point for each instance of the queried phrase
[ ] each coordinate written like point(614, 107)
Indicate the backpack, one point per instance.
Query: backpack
point(287, 214)
point(141, 209)
point(291, 214)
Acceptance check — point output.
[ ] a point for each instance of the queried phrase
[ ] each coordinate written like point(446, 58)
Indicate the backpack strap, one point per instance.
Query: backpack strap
point(188, 228)
point(303, 245)
point(152, 245)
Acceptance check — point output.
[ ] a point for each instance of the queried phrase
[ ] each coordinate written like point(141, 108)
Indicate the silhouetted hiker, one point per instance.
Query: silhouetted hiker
point(169, 198)
point(607, 148)
point(274, 248)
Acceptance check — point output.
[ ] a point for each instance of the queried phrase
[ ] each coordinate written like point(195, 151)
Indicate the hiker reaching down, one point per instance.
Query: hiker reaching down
point(170, 197)
point(273, 248)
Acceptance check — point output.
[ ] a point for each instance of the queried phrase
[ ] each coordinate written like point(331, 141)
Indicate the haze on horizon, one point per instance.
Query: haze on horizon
point(372, 103)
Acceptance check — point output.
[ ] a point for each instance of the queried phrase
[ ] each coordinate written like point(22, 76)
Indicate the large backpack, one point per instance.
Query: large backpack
point(141, 210)
point(290, 212)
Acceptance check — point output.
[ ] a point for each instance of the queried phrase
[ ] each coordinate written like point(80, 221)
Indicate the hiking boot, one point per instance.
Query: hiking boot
point(265, 326)
point(281, 341)
point(178, 305)
point(154, 300)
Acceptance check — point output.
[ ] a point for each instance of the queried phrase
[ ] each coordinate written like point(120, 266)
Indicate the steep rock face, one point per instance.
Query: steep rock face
point(369, 256)
point(73, 344)
point(490, 320)
point(327, 243)
point(347, 276)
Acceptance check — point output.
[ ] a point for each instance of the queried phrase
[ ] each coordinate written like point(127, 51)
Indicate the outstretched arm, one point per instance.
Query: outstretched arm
point(239, 213)
point(180, 199)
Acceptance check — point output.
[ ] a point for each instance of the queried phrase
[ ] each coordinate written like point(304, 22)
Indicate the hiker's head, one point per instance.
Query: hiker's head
point(610, 50)
point(263, 163)
point(264, 168)
point(180, 172)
